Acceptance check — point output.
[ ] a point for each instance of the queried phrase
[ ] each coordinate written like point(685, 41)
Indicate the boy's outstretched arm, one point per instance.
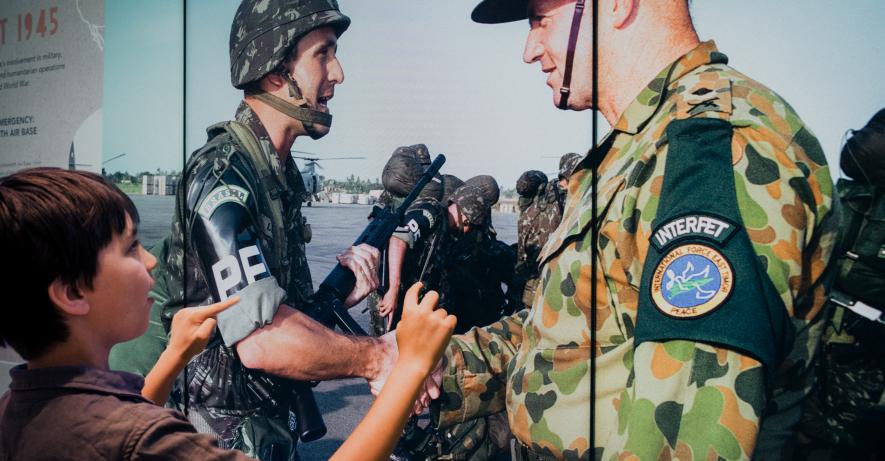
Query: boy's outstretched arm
point(421, 336)
point(190, 332)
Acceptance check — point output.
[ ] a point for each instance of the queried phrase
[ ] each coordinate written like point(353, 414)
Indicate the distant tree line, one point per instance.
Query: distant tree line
point(352, 185)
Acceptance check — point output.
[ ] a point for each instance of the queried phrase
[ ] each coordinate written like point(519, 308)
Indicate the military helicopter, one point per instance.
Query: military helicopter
point(313, 181)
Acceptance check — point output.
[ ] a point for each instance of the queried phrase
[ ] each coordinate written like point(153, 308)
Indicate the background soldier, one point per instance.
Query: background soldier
point(238, 228)
point(452, 249)
point(401, 173)
point(541, 204)
point(844, 417)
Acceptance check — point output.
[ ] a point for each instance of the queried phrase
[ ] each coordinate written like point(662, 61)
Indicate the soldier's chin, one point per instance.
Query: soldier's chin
point(316, 131)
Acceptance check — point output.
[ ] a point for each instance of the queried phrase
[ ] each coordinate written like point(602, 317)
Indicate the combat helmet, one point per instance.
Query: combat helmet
point(451, 183)
point(404, 169)
point(529, 182)
point(567, 164)
point(476, 198)
point(420, 152)
point(262, 36)
point(488, 186)
point(863, 155)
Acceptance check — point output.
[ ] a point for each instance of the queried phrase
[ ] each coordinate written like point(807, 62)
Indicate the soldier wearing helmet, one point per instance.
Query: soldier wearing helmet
point(238, 228)
point(451, 247)
point(400, 174)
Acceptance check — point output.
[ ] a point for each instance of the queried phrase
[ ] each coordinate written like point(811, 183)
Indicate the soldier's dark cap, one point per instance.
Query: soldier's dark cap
point(500, 11)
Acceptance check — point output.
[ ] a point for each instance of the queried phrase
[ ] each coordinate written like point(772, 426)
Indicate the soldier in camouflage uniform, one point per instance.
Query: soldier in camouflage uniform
point(715, 224)
point(540, 212)
point(453, 249)
point(845, 415)
point(238, 228)
point(447, 247)
point(401, 173)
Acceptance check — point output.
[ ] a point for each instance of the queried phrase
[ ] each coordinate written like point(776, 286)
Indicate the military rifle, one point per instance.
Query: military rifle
point(327, 304)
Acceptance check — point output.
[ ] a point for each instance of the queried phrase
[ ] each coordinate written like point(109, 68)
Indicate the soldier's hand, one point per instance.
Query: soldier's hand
point(430, 390)
point(424, 330)
point(362, 260)
point(388, 303)
point(389, 357)
point(192, 327)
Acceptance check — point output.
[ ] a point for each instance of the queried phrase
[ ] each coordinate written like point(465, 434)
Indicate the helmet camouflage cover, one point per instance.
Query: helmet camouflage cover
point(264, 31)
point(451, 183)
point(474, 203)
point(529, 182)
point(488, 186)
point(404, 169)
point(420, 152)
point(567, 164)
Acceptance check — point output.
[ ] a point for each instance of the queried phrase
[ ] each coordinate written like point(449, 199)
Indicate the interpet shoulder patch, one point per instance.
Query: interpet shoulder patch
point(221, 195)
point(693, 225)
point(702, 279)
point(691, 280)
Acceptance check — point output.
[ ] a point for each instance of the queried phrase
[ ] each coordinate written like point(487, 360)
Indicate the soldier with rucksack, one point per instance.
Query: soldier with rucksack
point(845, 415)
point(238, 228)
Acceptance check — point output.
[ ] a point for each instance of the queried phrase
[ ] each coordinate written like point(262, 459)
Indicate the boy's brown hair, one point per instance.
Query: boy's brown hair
point(53, 224)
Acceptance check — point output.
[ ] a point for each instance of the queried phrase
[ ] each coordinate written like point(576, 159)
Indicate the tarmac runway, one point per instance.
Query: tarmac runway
point(343, 402)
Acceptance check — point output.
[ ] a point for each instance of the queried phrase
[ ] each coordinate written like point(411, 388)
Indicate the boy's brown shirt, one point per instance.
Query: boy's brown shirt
point(86, 413)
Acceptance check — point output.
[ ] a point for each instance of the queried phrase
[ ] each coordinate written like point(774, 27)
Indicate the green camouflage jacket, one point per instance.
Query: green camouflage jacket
point(217, 381)
point(537, 222)
point(669, 397)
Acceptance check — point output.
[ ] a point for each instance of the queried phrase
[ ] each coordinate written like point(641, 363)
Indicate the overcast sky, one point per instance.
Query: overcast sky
point(420, 71)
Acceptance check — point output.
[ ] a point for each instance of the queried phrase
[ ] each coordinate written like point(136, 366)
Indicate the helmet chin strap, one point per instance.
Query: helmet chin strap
point(299, 110)
point(565, 91)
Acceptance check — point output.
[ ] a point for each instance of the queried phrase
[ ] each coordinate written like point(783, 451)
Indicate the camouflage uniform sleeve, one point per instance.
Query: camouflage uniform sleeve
point(475, 374)
point(691, 400)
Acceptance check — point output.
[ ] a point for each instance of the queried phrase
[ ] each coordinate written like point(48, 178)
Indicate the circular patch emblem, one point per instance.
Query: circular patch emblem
point(691, 280)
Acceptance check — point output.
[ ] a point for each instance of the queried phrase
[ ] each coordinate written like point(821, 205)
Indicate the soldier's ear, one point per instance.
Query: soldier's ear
point(623, 13)
point(273, 81)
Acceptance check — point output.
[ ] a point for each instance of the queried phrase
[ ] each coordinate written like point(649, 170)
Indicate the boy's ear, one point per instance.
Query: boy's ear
point(68, 298)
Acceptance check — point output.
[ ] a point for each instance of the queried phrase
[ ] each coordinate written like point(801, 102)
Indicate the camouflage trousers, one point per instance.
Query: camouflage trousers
point(377, 322)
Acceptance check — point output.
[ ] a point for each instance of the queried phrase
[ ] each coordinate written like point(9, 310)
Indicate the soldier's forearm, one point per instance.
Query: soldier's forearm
point(297, 347)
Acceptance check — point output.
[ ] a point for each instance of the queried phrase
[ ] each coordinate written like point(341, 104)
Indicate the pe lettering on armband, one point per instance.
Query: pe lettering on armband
point(702, 279)
point(231, 271)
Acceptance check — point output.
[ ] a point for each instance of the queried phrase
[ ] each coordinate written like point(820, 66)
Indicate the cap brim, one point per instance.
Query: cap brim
point(500, 11)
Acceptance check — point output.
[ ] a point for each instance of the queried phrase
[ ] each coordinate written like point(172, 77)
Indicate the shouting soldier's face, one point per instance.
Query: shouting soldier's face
point(316, 70)
point(547, 43)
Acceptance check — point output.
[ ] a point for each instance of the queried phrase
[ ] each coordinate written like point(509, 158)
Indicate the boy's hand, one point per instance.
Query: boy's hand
point(424, 331)
point(192, 328)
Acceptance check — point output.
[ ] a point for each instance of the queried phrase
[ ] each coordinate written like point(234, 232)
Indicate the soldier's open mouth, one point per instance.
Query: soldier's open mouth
point(323, 103)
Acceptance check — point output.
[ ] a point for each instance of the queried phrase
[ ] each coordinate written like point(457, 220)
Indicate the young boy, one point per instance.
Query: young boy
point(76, 282)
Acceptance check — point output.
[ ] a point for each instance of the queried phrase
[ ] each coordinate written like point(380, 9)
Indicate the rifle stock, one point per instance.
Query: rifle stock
point(340, 282)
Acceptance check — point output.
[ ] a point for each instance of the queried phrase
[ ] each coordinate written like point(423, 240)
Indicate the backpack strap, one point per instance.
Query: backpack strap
point(272, 185)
